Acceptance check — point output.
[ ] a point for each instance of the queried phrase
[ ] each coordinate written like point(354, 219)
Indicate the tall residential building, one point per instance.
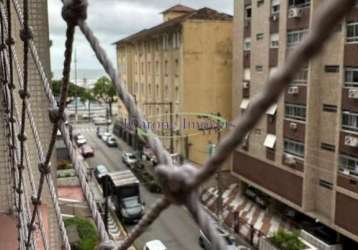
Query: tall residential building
point(183, 64)
point(304, 152)
point(38, 18)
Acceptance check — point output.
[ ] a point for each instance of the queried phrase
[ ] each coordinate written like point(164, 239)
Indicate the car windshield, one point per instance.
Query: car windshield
point(132, 157)
point(131, 202)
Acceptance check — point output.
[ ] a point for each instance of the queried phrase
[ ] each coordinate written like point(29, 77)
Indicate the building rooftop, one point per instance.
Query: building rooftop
point(200, 14)
point(179, 8)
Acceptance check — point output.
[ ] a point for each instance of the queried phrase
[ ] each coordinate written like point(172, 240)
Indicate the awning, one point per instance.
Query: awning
point(272, 110)
point(244, 103)
point(270, 141)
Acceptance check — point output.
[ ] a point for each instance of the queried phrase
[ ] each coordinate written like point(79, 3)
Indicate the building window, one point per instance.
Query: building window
point(331, 68)
point(348, 164)
point(166, 68)
point(295, 112)
point(259, 68)
point(299, 3)
point(142, 68)
point(325, 184)
point(176, 67)
point(352, 32)
point(275, 7)
point(260, 2)
point(247, 74)
point(329, 108)
point(350, 121)
point(300, 77)
point(259, 36)
point(274, 41)
point(248, 12)
point(351, 77)
point(157, 67)
point(328, 147)
point(294, 148)
point(247, 44)
point(295, 37)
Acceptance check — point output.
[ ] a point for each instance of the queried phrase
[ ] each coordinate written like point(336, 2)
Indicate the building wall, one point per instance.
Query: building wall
point(207, 77)
point(325, 97)
point(195, 77)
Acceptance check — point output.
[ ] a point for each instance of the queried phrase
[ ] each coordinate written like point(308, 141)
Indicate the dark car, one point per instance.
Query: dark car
point(205, 243)
point(87, 151)
point(111, 142)
point(99, 172)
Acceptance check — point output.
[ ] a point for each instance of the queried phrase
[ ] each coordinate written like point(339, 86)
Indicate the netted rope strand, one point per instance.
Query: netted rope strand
point(35, 133)
point(79, 166)
point(56, 114)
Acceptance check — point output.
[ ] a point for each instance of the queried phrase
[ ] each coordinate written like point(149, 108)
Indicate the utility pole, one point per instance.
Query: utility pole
point(76, 104)
point(171, 109)
point(106, 196)
point(219, 178)
point(212, 150)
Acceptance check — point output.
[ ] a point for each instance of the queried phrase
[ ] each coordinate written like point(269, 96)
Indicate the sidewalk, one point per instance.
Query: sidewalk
point(253, 222)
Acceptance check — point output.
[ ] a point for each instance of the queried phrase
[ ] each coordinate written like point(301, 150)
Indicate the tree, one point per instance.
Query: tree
point(73, 90)
point(88, 96)
point(105, 91)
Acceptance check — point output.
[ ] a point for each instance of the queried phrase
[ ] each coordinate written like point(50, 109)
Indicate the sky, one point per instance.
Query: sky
point(112, 20)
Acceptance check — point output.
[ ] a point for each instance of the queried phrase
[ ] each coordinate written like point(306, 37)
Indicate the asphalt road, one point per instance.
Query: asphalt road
point(175, 228)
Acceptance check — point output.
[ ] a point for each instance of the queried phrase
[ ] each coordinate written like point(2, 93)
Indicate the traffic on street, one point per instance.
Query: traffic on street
point(175, 229)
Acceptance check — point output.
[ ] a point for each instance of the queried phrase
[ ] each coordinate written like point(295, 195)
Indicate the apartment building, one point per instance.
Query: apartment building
point(304, 151)
point(176, 71)
point(38, 18)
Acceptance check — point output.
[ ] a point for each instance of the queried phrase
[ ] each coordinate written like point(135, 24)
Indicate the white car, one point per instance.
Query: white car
point(154, 245)
point(101, 121)
point(81, 140)
point(105, 136)
point(129, 158)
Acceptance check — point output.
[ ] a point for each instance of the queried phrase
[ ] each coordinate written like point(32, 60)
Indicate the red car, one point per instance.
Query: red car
point(87, 151)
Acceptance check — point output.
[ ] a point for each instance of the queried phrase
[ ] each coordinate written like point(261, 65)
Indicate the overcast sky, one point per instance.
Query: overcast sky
point(112, 20)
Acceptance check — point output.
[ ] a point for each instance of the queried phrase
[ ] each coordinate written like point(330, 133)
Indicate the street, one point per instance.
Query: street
point(175, 228)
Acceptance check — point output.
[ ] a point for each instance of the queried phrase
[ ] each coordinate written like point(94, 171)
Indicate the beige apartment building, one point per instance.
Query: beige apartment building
point(177, 70)
point(304, 151)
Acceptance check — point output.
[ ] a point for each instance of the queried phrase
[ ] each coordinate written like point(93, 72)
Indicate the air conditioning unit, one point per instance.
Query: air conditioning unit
point(294, 13)
point(293, 125)
point(293, 90)
point(245, 85)
point(289, 160)
point(353, 93)
point(351, 141)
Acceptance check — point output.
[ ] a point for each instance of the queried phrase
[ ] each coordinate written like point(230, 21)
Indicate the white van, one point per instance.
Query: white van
point(154, 245)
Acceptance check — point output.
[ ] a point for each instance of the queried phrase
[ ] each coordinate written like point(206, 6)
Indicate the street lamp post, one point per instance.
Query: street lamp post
point(212, 150)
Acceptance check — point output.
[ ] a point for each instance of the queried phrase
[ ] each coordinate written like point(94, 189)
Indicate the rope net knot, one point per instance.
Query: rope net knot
point(74, 11)
point(177, 181)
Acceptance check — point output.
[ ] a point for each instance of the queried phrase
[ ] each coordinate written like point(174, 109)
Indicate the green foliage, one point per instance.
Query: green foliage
point(86, 231)
point(73, 90)
point(287, 240)
point(104, 90)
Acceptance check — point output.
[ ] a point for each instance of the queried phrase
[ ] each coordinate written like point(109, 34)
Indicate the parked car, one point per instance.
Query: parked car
point(154, 245)
point(129, 158)
point(80, 140)
point(87, 151)
point(102, 121)
point(111, 142)
point(99, 172)
point(205, 243)
point(105, 136)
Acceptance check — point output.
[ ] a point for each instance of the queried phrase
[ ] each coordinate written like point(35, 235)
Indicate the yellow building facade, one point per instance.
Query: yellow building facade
point(178, 71)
